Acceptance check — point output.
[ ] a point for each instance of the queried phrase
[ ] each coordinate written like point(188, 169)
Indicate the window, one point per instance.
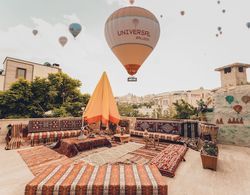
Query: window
point(165, 102)
point(21, 73)
point(241, 69)
point(227, 70)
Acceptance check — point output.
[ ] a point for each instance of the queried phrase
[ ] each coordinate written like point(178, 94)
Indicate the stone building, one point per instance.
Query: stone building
point(13, 69)
point(233, 74)
point(166, 100)
point(232, 105)
point(133, 99)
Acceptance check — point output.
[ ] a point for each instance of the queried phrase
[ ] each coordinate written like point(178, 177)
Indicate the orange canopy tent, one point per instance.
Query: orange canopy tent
point(102, 105)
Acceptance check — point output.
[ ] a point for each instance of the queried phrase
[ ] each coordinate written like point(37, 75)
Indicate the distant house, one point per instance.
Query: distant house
point(166, 100)
point(13, 69)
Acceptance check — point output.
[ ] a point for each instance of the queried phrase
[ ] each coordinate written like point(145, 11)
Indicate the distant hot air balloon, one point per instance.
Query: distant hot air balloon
point(219, 28)
point(248, 24)
point(35, 32)
point(75, 29)
point(63, 40)
point(216, 35)
point(161, 16)
point(131, 2)
point(237, 108)
point(182, 13)
point(132, 33)
point(223, 11)
point(221, 32)
point(218, 2)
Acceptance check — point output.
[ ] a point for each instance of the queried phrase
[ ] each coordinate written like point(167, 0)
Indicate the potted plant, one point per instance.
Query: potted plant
point(209, 155)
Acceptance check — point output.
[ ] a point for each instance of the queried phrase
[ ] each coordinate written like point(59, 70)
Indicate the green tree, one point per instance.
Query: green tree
point(16, 101)
point(127, 110)
point(41, 97)
point(58, 93)
point(157, 112)
point(63, 88)
point(60, 112)
point(184, 110)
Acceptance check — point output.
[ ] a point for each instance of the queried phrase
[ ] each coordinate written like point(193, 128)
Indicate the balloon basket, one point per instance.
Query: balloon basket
point(132, 79)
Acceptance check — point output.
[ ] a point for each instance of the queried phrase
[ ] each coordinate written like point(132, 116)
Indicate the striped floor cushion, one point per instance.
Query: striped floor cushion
point(162, 136)
point(168, 159)
point(98, 180)
point(50, 136)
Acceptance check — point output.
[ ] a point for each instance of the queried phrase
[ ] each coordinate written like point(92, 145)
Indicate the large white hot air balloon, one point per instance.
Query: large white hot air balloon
point(132, 33)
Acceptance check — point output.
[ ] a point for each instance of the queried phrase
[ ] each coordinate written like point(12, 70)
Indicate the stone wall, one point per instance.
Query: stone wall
point(232, 115)
point(43, 71)
point(11, 72)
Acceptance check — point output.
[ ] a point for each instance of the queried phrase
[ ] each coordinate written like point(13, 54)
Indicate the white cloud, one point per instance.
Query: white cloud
point(120, 2)
point(184, 57)
point(79, 58)
point(72, 18)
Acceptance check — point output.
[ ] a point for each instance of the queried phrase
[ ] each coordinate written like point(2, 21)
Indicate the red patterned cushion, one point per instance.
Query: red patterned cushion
point(168, 160)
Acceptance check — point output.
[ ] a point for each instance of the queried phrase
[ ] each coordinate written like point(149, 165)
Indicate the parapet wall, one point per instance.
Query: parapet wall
point(232, 115)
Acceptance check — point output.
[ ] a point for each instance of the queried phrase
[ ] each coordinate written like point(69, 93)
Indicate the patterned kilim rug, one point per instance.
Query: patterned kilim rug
point(142, 155)
point(111, 155)
point(38, 158)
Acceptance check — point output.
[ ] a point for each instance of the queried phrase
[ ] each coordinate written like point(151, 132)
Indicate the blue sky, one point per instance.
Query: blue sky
point(185, 57)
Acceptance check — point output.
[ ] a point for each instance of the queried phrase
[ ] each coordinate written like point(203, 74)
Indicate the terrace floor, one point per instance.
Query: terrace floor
point(231, 178)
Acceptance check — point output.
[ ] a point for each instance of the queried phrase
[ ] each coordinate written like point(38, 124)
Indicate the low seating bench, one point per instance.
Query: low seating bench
point(168, 160)
point(50, 136)
point(98, 180)
point(162, 136)
point(53, 129)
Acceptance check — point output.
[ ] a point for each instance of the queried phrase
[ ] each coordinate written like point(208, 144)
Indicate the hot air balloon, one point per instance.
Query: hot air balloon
point(132, 33)
point(182, 13)
point(216, 35)
point(131, 2)
point(237, 108)
point(248, 24)
point(35, 32)
point(218, 2)
point(219, 28)
point(245, 99)
point(75, 29)
point(63, 40)
point(229, 99)
point(161, 16)
point(223, 11)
